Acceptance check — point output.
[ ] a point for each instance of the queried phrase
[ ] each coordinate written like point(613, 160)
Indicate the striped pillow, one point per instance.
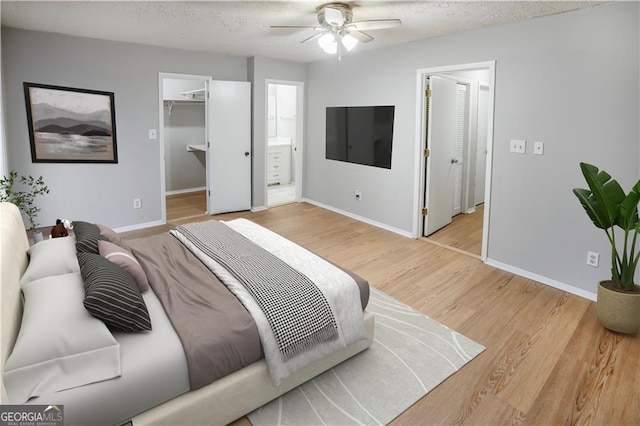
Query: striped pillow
point(82, 229)
point(89, 244)
point(112, 295)
point(87, 237)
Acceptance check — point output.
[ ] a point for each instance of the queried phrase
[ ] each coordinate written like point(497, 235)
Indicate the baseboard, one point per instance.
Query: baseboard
point(185, 191)
point(543, 280)
point(361, 219)
point(258, 208)
point(139, 226)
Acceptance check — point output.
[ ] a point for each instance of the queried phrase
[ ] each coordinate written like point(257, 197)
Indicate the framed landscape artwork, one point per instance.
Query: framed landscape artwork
point(69, 125)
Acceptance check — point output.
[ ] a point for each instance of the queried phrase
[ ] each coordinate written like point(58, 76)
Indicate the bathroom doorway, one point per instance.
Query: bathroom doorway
point(284, 137)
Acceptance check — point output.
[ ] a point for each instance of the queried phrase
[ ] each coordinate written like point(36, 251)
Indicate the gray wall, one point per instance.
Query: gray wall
point(570, 80)
point(100, 192)
point(259, 70)
point(185, 126)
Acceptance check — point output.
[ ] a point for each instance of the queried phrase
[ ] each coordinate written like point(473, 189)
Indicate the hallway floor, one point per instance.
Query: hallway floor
point(464, 233)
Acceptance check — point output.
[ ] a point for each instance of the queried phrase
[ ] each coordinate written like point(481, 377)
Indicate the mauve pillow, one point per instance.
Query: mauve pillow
point(112, 236)
point(126, 261)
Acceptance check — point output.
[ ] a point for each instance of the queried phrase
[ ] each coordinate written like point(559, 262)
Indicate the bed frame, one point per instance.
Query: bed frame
point(221, 402)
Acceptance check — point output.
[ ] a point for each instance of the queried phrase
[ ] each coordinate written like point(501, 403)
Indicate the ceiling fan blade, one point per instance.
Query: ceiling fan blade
point(376, 24)
point(293, 27)
point(333, 16)
point(362, 37)
point(311, 38)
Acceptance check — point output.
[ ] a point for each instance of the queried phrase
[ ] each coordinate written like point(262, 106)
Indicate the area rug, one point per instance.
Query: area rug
point(411, 354)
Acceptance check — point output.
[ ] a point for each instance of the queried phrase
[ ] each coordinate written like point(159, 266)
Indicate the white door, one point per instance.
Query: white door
point(441, 163)
point(229, 146)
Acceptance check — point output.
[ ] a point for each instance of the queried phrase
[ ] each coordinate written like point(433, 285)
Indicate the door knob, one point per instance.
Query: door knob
point(246, 154)
point(454, 161)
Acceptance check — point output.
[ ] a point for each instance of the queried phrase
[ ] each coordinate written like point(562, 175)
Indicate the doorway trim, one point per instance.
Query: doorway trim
point(299, 152)
point(161, 135)
point(420, 161)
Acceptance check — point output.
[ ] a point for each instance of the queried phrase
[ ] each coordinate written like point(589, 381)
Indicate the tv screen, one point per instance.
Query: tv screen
point(361, 135)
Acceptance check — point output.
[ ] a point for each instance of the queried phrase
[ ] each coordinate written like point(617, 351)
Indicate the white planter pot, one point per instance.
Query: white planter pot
point(37, 237)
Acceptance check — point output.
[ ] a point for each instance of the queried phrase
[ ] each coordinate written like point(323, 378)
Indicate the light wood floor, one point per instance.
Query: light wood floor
point(464, 233)
point(186, 205)
point(547, 361)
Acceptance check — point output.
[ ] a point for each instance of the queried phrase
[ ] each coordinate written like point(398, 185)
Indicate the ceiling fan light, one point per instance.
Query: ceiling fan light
point(333, 17)
point(349, 41)
point(328, 43)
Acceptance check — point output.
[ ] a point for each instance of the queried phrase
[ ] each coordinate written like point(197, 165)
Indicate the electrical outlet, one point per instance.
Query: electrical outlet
point(538, 148)
point(593, 258)
point(518, 146)
point(358, 195)
point(137, 203)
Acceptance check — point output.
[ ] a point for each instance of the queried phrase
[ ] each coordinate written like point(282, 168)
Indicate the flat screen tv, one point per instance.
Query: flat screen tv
point(360, 134)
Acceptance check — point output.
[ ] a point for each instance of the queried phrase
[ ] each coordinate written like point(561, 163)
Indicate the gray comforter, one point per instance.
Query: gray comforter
point(218, 335)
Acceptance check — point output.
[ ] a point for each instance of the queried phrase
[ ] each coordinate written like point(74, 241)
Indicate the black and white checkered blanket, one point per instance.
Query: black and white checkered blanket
point(295, 308)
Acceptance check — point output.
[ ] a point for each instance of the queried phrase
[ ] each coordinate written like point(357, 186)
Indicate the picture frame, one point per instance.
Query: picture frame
point(70, 125)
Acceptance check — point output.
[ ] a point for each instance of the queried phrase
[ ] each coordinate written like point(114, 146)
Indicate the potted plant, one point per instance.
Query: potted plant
point(610, 209)
point(24, 198)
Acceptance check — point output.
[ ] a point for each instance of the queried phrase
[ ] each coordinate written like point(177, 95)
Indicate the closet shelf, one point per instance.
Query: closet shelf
point(197, 94)
point(197, 147)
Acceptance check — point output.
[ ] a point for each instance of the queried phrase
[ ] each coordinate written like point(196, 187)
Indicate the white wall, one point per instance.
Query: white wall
point(100, 193)
point(177, 89)
point(286, 111)
point(570, 80)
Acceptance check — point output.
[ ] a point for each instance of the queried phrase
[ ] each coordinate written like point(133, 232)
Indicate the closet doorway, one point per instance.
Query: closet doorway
point(221, 148)
point(457, 129)
point(184, 138)
point(284, 142)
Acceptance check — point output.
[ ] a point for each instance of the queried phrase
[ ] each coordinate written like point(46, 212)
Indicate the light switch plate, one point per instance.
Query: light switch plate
point(518, 146)
point(153, 134)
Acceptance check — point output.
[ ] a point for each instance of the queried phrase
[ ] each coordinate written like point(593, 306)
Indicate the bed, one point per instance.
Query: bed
point(152, 381)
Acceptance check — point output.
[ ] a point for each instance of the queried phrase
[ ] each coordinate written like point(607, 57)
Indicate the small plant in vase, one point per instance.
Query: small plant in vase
point(23, 191)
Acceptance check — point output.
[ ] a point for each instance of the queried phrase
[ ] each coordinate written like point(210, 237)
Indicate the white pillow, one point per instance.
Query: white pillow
point(60, 345)
point(55, 256)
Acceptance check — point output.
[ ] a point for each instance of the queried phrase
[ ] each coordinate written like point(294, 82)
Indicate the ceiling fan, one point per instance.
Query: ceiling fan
point(336, 29)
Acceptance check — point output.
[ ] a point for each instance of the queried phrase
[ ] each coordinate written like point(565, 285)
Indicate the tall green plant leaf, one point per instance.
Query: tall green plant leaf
point(628, 219)
point(597, 214)
point(607, 192)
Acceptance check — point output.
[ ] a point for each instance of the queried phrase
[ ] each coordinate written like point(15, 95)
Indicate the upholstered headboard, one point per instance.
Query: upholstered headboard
point(13, 254)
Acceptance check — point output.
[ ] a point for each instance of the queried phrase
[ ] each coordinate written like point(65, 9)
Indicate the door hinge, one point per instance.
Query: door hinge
point(425, 211)
point(208, 94)
point(427, 93)
point(209, 193)
point(208, 144)
point(427, 152)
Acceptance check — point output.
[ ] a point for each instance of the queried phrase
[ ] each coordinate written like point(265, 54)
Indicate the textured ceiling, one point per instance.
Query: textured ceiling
point(243, 27)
